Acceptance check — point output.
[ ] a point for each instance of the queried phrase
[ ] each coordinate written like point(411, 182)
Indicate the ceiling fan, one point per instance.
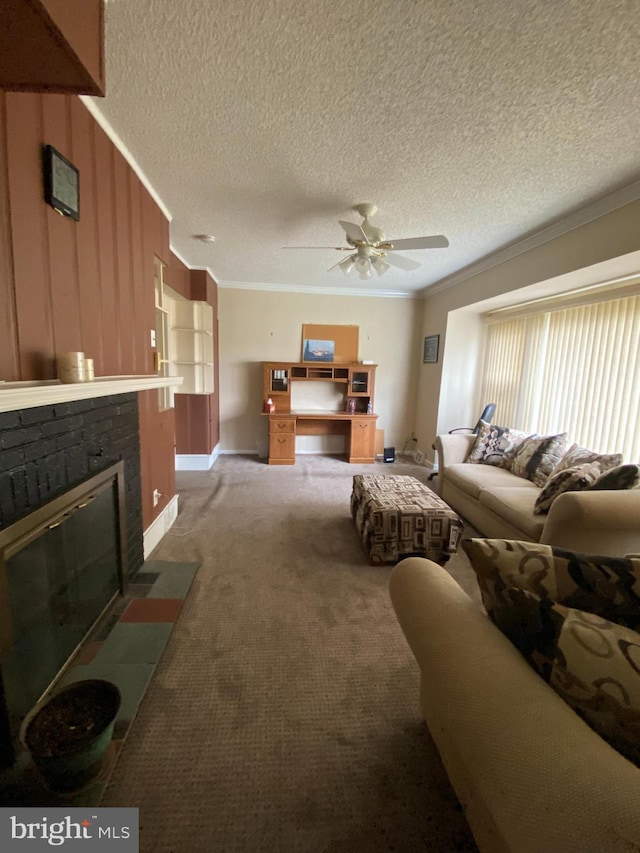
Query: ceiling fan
point(372, 250)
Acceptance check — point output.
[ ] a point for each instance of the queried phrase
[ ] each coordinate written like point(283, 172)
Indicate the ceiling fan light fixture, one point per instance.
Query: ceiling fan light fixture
point(347, 264)
point(380, 266)
point(370, 248)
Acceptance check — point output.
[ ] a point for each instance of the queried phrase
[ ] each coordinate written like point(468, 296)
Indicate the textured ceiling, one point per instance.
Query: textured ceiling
point(264, 122)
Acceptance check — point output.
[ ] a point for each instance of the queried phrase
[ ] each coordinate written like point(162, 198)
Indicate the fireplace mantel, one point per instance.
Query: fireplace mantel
point(27, 395)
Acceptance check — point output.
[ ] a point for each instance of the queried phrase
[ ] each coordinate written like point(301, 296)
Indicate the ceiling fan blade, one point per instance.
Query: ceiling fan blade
point(339, 265)
point(354, 232)
point(402, 262)
point(438, 241)
point(335, 248)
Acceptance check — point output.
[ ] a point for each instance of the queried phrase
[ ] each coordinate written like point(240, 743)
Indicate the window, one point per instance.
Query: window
point(574, 369)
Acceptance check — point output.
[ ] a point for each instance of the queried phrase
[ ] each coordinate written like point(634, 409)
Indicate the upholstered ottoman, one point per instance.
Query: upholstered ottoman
point(398, 516)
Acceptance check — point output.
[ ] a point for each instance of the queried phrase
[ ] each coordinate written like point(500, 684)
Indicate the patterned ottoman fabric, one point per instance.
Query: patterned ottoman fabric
point(397, 516)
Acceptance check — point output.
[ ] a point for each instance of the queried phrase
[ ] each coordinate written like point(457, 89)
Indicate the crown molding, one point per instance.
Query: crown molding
point(316, 291)
point(606, 204)
point(90, 104)
point(179, 257)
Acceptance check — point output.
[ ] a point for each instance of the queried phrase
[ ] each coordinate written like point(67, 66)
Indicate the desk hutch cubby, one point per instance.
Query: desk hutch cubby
point(356, 421)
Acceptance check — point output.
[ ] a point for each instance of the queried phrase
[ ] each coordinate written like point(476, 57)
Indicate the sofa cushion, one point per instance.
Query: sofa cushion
point(623, 477)
point(515, 505)
point(578, 455)
point(572, 479)
point(592, 663)
point(494, 443)
point(606, 586)
point(472, 479)
point(537, 456)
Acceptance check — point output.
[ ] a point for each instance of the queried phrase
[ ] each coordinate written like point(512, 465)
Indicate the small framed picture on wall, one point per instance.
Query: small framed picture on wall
point(430, 352)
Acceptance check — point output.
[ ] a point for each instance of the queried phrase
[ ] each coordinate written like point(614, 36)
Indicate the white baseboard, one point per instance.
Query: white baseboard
point(197, 461)
point(157, 529)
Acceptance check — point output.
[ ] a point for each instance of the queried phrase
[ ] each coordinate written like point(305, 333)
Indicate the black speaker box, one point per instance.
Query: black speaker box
point(389, 454)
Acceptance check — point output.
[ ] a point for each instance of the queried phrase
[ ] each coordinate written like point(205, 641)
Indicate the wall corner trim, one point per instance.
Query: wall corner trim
point(159, 526)
point(197, 461)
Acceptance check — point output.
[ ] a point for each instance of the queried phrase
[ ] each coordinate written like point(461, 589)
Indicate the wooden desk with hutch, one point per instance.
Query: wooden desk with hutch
point(358, 426)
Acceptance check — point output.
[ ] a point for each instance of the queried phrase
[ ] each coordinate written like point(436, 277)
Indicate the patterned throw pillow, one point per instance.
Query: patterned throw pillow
point(592, 663)
point(622, 477)
point(493, 443)
point(537, 456)
point(578, 455)
point(607, 586)
point(573, 479)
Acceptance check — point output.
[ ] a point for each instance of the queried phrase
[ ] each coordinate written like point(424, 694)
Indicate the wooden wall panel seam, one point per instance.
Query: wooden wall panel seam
point(10, 343)
point(114, 238)
point(76, 270)
point(45, 232)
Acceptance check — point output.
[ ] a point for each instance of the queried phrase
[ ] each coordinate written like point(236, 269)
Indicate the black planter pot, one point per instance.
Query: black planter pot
point(69, 733)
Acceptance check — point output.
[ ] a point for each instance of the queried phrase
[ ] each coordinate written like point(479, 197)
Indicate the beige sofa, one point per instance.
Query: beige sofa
point(531, 776)
point(500, 505)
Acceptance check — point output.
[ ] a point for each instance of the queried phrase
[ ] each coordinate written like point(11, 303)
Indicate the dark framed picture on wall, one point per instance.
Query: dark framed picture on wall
point(61, 183)
point(430, 352)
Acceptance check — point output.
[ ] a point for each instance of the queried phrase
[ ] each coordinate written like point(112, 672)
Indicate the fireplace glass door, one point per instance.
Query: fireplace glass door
point(56, 588)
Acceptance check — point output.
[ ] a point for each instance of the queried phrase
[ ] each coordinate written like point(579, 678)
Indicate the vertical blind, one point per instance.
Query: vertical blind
point(574, 370)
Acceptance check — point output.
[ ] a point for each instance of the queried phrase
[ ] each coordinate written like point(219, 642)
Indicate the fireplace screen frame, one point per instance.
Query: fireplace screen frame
point(26, 530)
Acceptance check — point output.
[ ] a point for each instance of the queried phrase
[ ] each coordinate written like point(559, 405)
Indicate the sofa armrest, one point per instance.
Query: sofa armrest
point(599, 522)
point(530, 774)
point(453, 448)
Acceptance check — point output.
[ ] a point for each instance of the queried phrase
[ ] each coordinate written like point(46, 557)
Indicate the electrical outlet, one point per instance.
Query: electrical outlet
point(156, 497)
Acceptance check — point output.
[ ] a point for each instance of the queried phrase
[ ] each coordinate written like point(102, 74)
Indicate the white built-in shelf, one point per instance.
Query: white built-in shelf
point(27, 395)
point(191, 345)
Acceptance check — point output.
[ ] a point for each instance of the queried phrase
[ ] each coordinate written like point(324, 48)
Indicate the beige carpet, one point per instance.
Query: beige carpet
point(283, 715)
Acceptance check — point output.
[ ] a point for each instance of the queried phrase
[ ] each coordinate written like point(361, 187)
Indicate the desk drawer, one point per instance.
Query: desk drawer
point(282, 425)
point(282, 449)
point(363, 436)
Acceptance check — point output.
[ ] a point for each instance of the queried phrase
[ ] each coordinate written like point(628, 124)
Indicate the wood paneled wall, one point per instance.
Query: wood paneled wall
point(78, 285)
point(86, 285)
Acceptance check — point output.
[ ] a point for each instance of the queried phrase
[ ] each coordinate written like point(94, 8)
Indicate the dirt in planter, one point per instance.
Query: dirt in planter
point(71, 719)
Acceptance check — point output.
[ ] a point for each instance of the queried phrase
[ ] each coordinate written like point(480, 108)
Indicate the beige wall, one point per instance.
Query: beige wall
point(447, 392)
point(259, 325)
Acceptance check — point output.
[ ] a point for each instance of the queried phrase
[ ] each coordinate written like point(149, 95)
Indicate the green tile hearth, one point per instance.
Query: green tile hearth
point(133, 642)
point(125, 648)
point(131, 680)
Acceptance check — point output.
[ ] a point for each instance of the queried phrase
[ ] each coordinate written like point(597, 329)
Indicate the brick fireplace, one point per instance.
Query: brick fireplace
point(49, 451)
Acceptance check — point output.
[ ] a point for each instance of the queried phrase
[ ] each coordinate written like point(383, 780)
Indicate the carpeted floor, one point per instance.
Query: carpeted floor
point(283, 716)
